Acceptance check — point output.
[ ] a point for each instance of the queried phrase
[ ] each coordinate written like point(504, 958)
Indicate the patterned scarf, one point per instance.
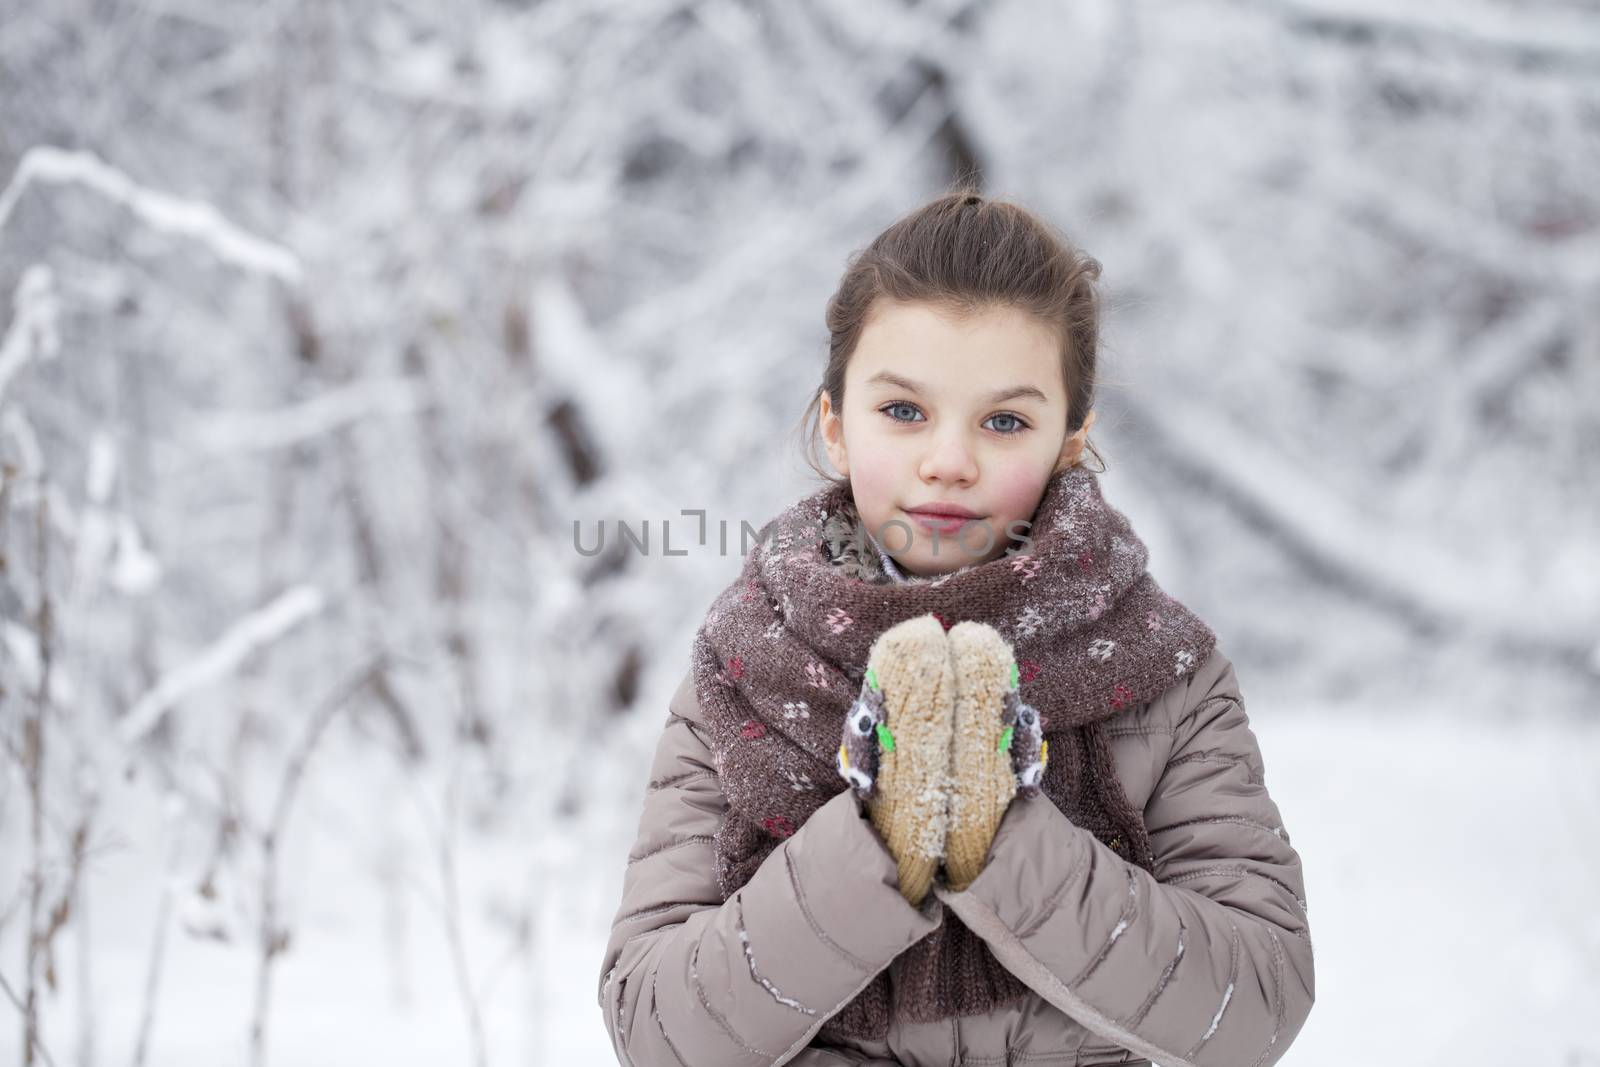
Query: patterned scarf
point(781, 655)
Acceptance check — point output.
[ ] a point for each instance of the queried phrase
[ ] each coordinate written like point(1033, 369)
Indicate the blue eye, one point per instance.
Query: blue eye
point(887, 410)
point(1020, 425)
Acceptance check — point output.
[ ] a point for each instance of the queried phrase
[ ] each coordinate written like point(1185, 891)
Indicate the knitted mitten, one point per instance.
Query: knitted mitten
point(998, 749)
point(896, 746)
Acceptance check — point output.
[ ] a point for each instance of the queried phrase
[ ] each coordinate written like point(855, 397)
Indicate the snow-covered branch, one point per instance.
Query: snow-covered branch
point(193, 219)
point(321, 415)
point(259, 628)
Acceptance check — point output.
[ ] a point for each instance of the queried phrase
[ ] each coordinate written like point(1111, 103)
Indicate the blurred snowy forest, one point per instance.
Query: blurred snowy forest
point(322, 324)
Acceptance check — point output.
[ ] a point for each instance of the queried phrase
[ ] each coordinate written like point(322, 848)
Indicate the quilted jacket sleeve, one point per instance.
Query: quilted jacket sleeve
point(1208, 961)
point(688, 979)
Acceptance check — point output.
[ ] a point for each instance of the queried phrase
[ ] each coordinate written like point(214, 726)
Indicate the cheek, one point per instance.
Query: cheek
point(873, 477)
point(1017, 493)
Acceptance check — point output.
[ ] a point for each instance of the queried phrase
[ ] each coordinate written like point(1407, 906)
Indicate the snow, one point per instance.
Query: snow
point(242, 638)
point(1452, 909)
point(197, 220)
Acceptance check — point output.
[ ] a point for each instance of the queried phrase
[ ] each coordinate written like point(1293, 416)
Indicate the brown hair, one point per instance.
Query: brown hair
point(963, 252)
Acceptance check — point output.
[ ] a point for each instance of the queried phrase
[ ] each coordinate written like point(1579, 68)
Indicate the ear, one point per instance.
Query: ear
point(832, 424)
point(1072, 448)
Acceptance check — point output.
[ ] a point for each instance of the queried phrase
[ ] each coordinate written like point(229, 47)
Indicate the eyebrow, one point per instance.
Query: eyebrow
point(996, 397)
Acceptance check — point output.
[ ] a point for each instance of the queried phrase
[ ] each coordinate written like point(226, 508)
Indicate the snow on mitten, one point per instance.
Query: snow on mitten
point(895, 751)
point(998, 750)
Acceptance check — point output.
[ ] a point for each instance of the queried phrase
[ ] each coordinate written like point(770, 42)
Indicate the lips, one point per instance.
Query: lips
point(946, 518)
point(944, 511)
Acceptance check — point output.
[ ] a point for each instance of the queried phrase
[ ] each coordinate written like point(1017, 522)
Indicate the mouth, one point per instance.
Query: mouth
point(944, 518)
point(943, 509)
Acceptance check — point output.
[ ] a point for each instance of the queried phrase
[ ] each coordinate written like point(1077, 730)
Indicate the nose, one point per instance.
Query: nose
point(949, 461)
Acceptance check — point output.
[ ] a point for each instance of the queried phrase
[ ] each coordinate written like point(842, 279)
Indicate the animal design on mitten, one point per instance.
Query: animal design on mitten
point(865, 730)
point(1024, 737)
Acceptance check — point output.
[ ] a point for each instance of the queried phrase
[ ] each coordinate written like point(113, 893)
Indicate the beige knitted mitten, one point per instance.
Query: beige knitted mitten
point(997, 749)
point(896, 746)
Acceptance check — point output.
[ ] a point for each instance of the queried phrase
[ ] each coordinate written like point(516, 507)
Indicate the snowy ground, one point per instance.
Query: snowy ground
point(1464, 933)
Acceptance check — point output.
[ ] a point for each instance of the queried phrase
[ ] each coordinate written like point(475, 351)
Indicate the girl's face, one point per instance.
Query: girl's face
point(944, 411)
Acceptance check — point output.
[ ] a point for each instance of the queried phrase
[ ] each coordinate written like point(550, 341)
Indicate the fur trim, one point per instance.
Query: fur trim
point(856, 554)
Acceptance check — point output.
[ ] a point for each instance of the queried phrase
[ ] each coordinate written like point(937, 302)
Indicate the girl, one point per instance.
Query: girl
point(837, 861)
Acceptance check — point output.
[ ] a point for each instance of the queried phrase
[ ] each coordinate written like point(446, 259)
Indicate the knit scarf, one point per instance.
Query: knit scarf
point(780, 657)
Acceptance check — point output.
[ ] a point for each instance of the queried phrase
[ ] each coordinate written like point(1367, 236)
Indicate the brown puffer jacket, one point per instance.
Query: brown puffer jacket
point(1209, 962)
